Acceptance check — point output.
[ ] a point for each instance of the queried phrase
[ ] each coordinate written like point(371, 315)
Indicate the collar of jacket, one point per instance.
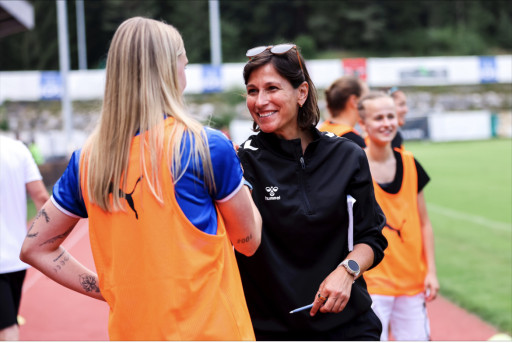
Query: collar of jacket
point(289, 149)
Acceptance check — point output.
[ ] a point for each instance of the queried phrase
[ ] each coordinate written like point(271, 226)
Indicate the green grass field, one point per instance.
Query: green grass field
point(469, 200)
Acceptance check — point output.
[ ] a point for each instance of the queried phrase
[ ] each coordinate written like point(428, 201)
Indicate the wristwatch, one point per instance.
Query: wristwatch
point(352, 267)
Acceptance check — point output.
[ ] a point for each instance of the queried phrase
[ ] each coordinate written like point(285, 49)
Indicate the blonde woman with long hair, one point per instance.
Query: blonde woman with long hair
point(165, 199)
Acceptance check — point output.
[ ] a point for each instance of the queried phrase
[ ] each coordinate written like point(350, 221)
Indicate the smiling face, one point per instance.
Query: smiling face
point(274, 103)
point(380, 120)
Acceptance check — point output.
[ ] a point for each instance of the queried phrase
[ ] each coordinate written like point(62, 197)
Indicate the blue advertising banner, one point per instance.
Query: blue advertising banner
point(212, 79)
point(487, 69)
point(51, 85)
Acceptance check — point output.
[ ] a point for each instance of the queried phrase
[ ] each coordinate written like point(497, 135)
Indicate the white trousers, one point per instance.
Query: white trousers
point(406, 316)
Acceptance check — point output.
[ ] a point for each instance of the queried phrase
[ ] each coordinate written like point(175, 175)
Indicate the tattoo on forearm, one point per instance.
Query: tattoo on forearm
point(58, 237)
point(39, 214)
point(55, 260)
point(61, 261)
point(245, 240)
point(44, 214)
point(32, 235)
point(88, 283)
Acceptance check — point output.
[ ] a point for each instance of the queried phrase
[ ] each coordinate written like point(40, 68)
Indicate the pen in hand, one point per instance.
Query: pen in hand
point(302, 308)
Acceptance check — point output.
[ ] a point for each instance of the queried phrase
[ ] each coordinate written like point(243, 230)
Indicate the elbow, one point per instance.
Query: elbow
point(26, 254)
point(253, 247)
point(245, 234)
point(250, 253)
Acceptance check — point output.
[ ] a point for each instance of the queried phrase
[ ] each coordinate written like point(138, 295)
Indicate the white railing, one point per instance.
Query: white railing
point(203, 78)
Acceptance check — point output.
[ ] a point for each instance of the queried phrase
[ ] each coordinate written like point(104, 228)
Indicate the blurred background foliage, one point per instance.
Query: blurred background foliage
point(322, 28)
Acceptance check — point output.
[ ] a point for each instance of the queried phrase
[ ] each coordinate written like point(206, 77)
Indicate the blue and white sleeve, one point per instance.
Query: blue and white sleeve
point(226, 166)
point(67, 195)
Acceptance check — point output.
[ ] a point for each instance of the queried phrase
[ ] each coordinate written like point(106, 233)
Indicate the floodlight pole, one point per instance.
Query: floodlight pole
point(80, 33)
point(215, 40)
point(62, 22)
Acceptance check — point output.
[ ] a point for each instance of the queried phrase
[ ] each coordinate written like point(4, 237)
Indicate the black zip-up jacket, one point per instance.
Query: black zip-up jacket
point(302, 199)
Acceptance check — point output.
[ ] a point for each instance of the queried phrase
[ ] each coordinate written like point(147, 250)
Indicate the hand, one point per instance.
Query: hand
point(336, 288)
point(235, 146)
point(431, 286)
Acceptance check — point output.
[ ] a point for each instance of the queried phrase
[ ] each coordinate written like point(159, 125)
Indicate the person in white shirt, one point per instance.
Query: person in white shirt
point(19, 175)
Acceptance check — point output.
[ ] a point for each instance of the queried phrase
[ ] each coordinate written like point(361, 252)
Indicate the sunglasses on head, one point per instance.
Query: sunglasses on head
point(280, 49)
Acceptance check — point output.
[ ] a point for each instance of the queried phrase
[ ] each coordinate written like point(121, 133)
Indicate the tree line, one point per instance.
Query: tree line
point(321, 28)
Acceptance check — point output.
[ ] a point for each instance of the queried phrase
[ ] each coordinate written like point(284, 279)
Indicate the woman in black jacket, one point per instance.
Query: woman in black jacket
point(322, 227)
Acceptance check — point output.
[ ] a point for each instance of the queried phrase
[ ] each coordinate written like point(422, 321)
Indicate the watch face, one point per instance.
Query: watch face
point(353, 265)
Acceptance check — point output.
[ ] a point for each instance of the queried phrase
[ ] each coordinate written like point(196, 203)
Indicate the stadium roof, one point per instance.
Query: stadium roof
point(15, 16)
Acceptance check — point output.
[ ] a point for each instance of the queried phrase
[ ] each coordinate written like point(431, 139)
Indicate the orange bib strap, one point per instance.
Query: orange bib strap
point(337, 129)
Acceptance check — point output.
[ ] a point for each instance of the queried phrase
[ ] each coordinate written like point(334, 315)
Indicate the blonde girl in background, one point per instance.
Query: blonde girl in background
point(406, 278)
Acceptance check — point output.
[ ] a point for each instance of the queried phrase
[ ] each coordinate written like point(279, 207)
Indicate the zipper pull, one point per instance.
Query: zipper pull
point(302, 163)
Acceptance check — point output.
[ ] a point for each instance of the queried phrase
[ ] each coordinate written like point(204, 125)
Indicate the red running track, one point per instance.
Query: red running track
point(54, 313)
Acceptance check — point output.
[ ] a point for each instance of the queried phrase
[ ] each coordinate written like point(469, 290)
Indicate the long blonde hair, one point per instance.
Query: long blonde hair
point(142, 86)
